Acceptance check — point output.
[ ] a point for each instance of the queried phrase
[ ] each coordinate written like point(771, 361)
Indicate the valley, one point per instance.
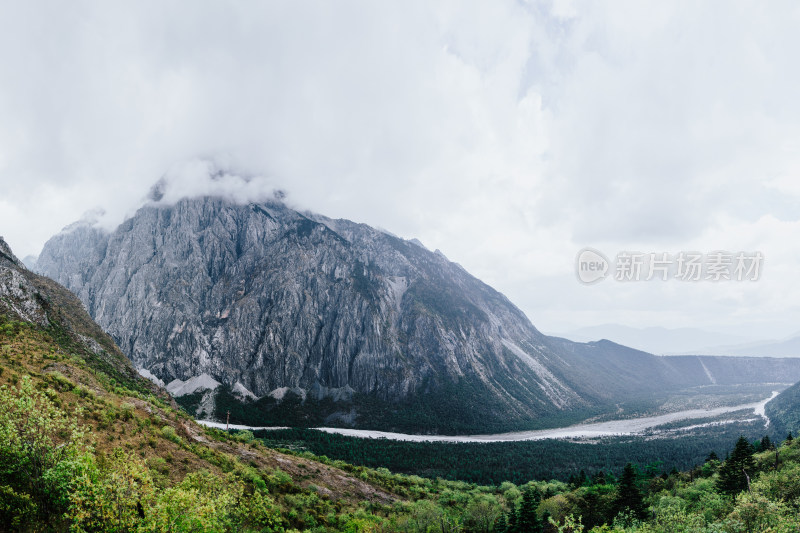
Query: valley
point(169, 471)
point(369, 383)
point(290, 318)
point(662, 426)
point(628, 426)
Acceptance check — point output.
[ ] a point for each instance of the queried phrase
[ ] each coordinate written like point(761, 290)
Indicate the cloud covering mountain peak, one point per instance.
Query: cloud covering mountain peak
point(195, 178)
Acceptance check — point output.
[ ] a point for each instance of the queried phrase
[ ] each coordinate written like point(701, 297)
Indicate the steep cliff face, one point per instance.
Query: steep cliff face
point(268, 300)
point(312, 320)
point(19, 297)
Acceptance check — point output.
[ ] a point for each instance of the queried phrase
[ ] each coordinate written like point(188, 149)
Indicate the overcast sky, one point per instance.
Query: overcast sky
point(509, 135)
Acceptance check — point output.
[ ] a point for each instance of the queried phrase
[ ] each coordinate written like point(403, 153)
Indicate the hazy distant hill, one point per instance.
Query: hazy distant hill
point(658, 340)
point(779, 348)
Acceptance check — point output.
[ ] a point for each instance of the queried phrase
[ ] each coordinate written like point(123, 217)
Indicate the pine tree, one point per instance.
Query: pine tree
point(513, 521)
point(546, 522)
point(501, 526)
point(629, 497)
point(733, 473)
point(766, 443)
point(528, 520)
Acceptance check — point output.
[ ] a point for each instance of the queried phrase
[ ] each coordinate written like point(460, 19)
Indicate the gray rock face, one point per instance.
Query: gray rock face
point(6, 253)
point(18, 295)
point(267, 297)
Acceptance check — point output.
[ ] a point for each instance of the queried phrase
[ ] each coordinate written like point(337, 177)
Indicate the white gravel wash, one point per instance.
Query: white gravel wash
point(221, 425)
point(632, 426)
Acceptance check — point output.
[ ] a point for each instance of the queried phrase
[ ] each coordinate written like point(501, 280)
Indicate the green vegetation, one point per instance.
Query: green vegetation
point(518, 462)
point(733, 476)
point(52, 477)
point(697, 500)
point(85, 447)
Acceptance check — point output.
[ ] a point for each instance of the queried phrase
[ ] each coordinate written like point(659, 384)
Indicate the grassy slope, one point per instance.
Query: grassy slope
point(118, 418)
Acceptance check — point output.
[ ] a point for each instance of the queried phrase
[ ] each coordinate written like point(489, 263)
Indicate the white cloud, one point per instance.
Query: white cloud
point(508, 134)
point(202, 177)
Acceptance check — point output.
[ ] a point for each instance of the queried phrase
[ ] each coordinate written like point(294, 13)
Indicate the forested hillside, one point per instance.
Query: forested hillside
point(784, 411)
point(517, 461)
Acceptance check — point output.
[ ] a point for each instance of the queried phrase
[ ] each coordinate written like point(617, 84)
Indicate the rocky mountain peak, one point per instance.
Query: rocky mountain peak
point(6, 254)
point(266, 299)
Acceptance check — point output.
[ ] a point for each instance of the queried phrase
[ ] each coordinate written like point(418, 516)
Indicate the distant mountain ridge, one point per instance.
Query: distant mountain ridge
point(779, 348)
point(658, 340)
point(306, 319)
point(687, 341)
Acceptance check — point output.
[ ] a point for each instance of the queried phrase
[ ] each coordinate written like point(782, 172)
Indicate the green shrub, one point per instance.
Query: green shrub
point(244, 436)
point(158, 464)
point(59, 381)
point(127, 411)
point(201, 502)
point(168, 432)
point(83, 392)
point(17, 511)
point(111, 497)
point(40, 453)
point(259, 513)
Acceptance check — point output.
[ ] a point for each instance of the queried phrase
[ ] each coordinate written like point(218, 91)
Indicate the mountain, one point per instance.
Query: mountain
point(30, 262)
point(784, 411)
point(87, 445)
point(658, 340)
point(282, 305)
point(777, 348)
point(286, 317)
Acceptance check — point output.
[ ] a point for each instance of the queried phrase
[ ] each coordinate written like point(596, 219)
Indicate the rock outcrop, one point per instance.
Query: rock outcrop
point(46, 306)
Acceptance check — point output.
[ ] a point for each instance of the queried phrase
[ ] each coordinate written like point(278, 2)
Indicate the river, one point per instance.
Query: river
point(631, 426)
